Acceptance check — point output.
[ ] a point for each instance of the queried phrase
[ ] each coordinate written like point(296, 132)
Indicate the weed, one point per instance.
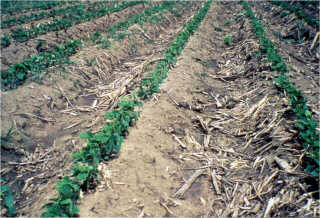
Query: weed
point(5, 41)
point(216, 28)
point(149, 41)
point(201, 74)
point(119, 36)
point(205, 63)
point(227, 40)
point(7, 138)
point(40, 45)
point(227, 23)
point(96, 37)
point(133, 49)
point(76, 83)
point(90, 62)
point(284, 14)
point(175, 13)
point(155, 19)
point(105, 43)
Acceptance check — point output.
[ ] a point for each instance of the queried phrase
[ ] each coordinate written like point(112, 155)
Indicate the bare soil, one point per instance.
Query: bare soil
point(218, 119)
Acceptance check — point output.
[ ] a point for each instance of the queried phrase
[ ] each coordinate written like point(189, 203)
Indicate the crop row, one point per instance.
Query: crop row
point(105, 144)
point(78, 16)
point(10, 7)
point(19, 72)
point(307, 126)
point(13, 21)
point(297, 10)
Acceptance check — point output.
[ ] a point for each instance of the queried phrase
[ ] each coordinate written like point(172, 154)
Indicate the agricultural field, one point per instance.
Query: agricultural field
point(160, 108)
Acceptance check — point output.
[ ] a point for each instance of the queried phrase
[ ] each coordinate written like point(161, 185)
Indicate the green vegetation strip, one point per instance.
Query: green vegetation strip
point(18, 73)
point(306, 124)
point(105, 144)
point(298, 11)
point(79, 16)
point(73, 9)
point(14, 6)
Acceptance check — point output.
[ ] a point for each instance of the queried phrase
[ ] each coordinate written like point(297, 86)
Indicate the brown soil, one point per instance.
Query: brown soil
point(218, 116)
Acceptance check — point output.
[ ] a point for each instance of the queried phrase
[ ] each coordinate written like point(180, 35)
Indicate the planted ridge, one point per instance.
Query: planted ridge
point(306, 124)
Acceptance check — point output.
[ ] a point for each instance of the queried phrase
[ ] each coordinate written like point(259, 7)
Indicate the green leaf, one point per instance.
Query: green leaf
point(86, 135)
point(82, 177)
point(73, 209)
point(66, 202)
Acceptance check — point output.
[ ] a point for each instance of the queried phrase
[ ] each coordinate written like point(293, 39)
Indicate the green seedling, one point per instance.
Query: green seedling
point(6, 199)
point(5, 41)
point(155, 19)
point(96, 37)
point(133, 49)
point(7, 138)
point(65, 204)
point(90, 62)
point(284, 14)
point(228, 23)
point(216, 28)
point(227, 40)
point(201, 74)
point(119, 36)
point(77, 83)
point(105, 44)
